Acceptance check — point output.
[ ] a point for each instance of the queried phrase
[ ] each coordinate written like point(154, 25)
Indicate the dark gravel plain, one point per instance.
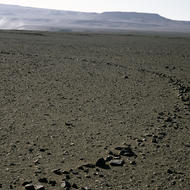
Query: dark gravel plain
point(94, 111)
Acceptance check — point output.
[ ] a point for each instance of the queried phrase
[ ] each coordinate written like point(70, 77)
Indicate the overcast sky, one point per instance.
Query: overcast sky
point(173, 9)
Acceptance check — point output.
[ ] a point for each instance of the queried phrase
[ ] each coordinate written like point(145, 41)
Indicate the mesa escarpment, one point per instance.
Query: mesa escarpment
point(28, 18)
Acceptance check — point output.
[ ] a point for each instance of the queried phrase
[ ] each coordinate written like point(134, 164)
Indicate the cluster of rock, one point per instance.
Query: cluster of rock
point(113, 159)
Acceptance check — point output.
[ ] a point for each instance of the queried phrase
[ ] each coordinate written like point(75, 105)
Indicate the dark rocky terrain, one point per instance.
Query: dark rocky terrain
point(94, 111)
point(27, 18)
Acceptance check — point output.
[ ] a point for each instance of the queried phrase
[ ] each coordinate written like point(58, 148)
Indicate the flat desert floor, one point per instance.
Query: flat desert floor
point(94, 111)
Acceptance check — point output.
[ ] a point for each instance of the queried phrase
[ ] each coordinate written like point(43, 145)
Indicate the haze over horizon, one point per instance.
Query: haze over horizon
point(26, 18)
point(172, 9)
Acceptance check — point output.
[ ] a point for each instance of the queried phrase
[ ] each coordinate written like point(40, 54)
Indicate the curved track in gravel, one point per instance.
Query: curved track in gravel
point(68, 100)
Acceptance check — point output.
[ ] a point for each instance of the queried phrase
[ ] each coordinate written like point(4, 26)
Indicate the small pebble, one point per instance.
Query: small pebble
point(40, 187)
point(116, 162)
point(43, 180)
point(101, 162)
point(29, 187)
point(57, 172)
point(65, 184)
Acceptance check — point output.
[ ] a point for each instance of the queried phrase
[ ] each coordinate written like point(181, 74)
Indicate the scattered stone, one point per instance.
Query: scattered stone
point(65, 172)
point(57, 172)
point(161, 135)
point(125, 77)
point(148, 135)
point(68, 176)
point(89, 165)
point(74, 186)
point(29, 187)
point(36, 162)
point(101, 163)
point(110, 153)
point(65, 184)
point(43, 180)
point(186, 145)
point(52, 182)
point(173, 182)
point(116, 162)
point(108, 158)
point(139, 140)
point(169, 119)
point(85, 188)
point(154, 140)
point(95, 173)
point(132, 163)
point(117, 158)
point(113, 154)
point(86, 170)
point(38, 171)
point(68, 124)
point(12, 164)
point(161, 113)
point(74, 172)
point(42, 149)
point(40, 187)
point(169, 171)
point(80, 168)
point(127, 151)
point(65, 152)
point(26, 183)
point(120, 148)
point(30, 150)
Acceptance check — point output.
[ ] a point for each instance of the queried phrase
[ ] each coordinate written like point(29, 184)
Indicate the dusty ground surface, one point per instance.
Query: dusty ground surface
point(67, 100)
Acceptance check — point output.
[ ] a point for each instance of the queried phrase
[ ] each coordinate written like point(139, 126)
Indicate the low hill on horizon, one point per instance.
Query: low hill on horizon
point(26, 18)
